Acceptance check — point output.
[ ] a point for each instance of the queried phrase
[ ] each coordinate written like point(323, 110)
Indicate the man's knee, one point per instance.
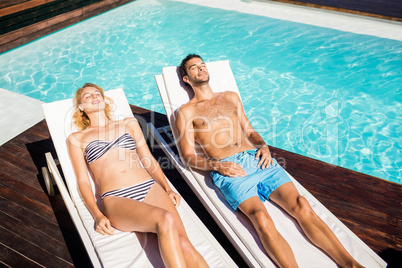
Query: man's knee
point(263, 222)
point(303, 209)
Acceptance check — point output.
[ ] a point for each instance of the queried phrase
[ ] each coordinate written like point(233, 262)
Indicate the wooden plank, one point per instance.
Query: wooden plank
point(25, 207)
point(14, 171)
point(23, 163)
point(389, 10)
point(29, 33)
point(63, 229)
point(347, 193)
point(327, 171)
point(7, 3)
point(31, 251)
point(19, 186)
point(11, 258)
point(35, 236)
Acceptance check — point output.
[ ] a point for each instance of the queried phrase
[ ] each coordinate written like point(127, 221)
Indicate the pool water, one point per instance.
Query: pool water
point(327, 94)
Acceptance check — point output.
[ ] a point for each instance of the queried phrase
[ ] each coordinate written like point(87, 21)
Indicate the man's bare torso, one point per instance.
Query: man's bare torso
point(216, 126)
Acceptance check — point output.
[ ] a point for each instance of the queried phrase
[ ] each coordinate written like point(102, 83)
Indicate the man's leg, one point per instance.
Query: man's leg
point(275, 245)
point(315, 229)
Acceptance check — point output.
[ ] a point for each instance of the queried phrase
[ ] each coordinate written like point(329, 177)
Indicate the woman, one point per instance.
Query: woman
point(135, 193)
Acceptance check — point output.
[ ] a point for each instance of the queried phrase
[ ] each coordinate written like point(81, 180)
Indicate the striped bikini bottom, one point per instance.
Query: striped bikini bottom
point(136, 192)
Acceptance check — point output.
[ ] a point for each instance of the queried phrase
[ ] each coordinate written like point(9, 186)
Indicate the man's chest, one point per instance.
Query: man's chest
point(214, 116)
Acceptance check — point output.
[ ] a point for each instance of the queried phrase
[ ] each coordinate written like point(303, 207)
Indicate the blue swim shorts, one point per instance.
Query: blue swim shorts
point(258, 182)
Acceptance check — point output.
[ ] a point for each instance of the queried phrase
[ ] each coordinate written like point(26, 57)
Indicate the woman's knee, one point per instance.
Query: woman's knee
point(186, 245)
point(165, 222)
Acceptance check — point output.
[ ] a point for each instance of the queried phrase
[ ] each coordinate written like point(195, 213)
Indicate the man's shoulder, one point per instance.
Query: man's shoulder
point(186, 108)
point(230, 95)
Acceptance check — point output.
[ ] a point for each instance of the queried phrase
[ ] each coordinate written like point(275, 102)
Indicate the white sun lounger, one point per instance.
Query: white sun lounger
point(123, 249)
point(235, 225)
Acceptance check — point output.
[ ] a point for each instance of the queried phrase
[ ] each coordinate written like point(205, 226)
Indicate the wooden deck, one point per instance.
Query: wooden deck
point(36, 230)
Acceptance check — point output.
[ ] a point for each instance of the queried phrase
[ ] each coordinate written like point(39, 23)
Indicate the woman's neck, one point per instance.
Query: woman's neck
point(98, 119)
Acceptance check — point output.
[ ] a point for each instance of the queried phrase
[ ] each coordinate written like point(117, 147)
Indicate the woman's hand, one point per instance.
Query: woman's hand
point(174, 197)
point(103, 225)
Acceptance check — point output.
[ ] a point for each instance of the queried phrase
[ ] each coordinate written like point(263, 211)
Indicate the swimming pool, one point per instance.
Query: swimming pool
point(324, 93)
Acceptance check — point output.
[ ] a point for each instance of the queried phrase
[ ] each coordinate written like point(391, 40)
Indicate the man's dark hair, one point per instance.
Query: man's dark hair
point(182, 67)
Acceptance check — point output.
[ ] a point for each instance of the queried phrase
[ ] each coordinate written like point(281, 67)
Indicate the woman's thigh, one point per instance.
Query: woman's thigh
point(130, 215)
point(159, 198)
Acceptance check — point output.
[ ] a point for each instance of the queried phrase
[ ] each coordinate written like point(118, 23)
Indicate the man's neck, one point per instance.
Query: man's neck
point(203, 92)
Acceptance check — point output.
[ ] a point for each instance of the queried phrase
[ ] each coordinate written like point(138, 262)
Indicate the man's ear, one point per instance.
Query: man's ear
point(185, 78)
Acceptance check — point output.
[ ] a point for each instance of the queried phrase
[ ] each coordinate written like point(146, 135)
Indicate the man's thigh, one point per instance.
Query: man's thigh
point(286, 196)
point(252, 205)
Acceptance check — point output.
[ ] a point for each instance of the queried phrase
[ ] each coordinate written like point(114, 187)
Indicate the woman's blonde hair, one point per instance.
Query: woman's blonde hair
point(80, 118)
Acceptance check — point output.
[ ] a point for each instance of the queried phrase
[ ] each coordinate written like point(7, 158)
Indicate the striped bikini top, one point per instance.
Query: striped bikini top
point(97, 148)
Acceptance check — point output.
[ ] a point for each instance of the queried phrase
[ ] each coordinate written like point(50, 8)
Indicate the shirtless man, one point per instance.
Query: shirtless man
point(243, 169)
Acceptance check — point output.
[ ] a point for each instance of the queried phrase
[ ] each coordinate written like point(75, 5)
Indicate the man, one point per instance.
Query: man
point(242, 167)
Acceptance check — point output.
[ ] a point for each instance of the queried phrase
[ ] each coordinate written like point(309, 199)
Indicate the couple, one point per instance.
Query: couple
point(240, 162)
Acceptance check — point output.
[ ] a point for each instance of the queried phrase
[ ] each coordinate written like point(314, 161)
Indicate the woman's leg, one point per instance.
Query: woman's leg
point(192, 257)
point(153, 210)
point(316, 230)
point(274, 244)
point(130, 215)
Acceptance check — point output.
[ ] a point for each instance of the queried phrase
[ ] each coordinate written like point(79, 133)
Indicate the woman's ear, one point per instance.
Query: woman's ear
point(81, 108)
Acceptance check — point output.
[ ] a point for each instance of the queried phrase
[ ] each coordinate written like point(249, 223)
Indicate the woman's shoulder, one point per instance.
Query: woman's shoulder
point(129, 121)
point(74, 135)
point(75, 139)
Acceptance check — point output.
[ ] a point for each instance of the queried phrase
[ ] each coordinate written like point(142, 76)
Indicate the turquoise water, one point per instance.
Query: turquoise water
point(327, 94)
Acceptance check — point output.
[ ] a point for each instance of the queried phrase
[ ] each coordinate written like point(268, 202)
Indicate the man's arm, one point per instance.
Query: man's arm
point(185, 128)
point(184, 124)
point(263, 152)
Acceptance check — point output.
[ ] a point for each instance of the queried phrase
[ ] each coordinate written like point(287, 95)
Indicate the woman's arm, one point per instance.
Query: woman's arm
point(147, 159)
point(81, 172)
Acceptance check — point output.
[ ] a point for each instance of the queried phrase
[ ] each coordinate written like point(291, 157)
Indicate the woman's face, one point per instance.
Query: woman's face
point(91, 100)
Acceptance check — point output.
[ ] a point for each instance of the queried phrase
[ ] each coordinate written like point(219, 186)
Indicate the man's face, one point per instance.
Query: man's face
point(197, 72)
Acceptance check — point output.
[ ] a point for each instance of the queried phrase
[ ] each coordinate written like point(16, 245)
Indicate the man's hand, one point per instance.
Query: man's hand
point(265, 157)
point(231, 169)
